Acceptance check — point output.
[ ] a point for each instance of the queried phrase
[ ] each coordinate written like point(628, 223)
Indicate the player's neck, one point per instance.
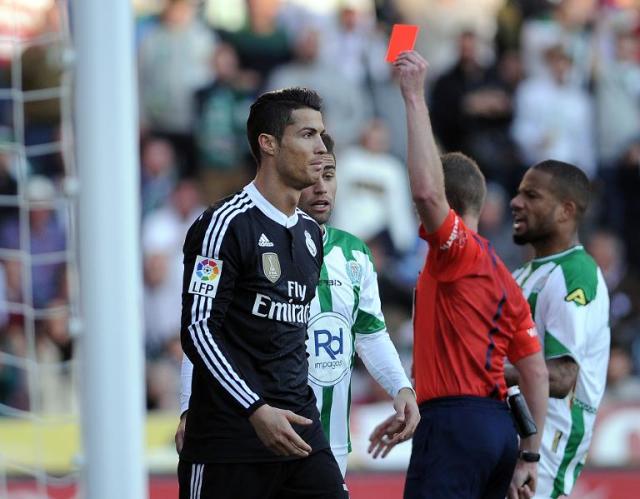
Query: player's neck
point(471, 222)
point(555, 245)
point(284, 198)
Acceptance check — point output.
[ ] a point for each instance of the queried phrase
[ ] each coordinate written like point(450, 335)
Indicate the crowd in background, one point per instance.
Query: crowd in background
point(511, 82)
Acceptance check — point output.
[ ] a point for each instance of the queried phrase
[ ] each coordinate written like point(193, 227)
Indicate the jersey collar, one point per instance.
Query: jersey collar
point(557, 255)
point(268, 209)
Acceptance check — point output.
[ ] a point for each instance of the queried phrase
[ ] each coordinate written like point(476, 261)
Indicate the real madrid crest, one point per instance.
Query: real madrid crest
point(311, 246)
point(354, 271)
point(271, 266)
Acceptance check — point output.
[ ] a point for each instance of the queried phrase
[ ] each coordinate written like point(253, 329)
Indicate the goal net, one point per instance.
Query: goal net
point(39, 306)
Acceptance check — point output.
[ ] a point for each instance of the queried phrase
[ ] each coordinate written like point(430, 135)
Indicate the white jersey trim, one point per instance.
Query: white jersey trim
point(202, 338)
point(268, 209)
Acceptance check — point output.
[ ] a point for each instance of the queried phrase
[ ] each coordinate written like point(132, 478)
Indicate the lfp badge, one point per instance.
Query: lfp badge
point(205, 277)
point(207, 270)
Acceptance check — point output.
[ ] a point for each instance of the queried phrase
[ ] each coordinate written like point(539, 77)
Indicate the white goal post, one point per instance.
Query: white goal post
point(110, 268)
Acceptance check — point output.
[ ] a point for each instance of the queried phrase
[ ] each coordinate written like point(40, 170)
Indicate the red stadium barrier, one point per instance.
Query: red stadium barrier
point(593, 484)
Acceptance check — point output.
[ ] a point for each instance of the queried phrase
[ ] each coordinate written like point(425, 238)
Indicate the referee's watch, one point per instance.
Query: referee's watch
point(529, 457)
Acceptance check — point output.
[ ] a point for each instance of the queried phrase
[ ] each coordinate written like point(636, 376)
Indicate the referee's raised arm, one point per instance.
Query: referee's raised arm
point(423, 159)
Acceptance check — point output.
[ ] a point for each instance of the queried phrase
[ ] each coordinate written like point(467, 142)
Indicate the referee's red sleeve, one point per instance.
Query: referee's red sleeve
point(525, 340)
point(453, 250)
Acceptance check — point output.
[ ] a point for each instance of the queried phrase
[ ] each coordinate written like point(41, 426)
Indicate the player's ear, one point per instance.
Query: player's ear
point(268, 144)
point(569, 211)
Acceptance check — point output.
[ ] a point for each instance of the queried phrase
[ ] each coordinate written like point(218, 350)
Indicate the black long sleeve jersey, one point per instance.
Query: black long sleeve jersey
point(250, 273)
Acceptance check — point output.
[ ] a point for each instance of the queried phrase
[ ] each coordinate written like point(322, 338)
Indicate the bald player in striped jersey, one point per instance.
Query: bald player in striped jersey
point(345, 318)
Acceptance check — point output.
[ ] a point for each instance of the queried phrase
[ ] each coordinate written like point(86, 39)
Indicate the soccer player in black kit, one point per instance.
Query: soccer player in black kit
point(251, 266)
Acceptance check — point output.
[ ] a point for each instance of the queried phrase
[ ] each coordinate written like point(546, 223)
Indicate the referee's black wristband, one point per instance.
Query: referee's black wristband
point(529, 457)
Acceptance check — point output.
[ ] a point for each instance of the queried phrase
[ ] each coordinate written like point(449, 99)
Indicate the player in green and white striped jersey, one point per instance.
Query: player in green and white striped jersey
point(570, 306)
point(345, 318)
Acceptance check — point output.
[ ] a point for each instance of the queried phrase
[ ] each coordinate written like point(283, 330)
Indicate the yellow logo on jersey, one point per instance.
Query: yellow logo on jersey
point(556, 441)
point(577, 296)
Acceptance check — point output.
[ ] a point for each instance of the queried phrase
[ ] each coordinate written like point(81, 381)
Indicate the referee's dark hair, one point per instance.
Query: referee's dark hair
point(271, 113)
point(569, 183)
point(464, 183)
point(329, 144)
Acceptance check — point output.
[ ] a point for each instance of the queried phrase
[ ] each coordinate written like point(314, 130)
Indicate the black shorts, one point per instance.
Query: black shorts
point(315, 477)
point(463, 448)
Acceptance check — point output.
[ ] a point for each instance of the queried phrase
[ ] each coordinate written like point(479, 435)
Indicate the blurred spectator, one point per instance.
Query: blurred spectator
point(171, 222)
point(344, 105)
point(352, 45)
point(42, 70)
point(618, 98)
point(8, 187)
point(622, 385)
point(173, 62)
point(222, 108)
point(389, 106)
point(162, 304)
point(554, 118)
point(4, 298)
point(451, 89)
point(442, 22)
point(163, 381)
point(46, 235)
point(472, 110)
point(296, 18)
point(261, 44)
point(568, 25)
point(12, 379)
point(161, 301)
point(618, 113)
point(374, 197)
point(159, 173)
point(495, 225)
point(163, 233)
point(55, 350)
point(8, 373)
point(623, 284)
point(629, 186)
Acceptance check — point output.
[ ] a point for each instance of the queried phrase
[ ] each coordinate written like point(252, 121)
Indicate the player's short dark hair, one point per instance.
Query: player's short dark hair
point(464, 183)
point(271, 113)
point(569, 183)
point(329, 144)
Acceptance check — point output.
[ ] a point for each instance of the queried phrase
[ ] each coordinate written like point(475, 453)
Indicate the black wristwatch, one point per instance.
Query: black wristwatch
point(529, 457)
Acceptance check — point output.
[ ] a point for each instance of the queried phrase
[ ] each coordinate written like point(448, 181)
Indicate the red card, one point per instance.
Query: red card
point(403, 37)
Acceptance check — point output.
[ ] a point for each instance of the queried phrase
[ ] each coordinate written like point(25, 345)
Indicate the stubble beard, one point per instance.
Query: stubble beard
point(532, 237)
point(322, 219)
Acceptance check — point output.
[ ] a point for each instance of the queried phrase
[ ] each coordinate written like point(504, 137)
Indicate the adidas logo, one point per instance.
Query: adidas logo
point(264, 242)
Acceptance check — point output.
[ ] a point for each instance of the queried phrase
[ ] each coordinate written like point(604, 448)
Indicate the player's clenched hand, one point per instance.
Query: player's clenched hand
point(274, 429)
point(412, 71)
point(179, 438)
point(523, 483)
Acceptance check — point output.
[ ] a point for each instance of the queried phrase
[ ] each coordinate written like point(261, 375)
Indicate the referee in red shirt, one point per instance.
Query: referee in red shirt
point(469, 315)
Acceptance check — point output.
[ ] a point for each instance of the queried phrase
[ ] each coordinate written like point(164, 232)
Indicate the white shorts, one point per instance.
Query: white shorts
point(544, 488)
point(342, 463)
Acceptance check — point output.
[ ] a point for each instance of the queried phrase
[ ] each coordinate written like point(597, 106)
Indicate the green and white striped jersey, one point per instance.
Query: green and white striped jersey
point(347, 303)
point(570, 306)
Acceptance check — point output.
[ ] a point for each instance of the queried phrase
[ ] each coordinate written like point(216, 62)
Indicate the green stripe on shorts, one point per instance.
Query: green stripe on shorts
point(575, 438)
